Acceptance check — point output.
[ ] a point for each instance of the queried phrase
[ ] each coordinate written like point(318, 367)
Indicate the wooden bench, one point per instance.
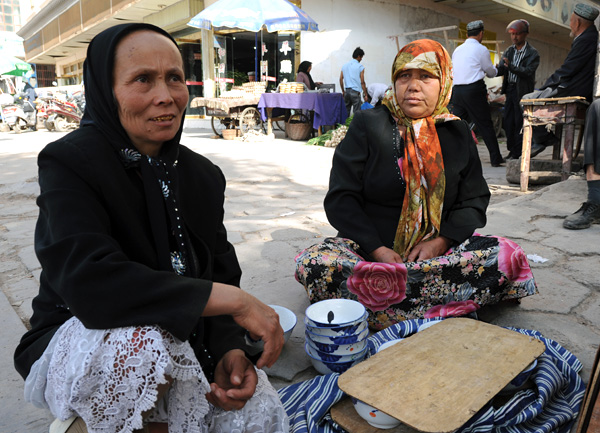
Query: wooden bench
point(567, 112)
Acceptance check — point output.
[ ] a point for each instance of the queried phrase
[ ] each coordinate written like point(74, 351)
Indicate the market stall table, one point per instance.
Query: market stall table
point(328, 108)
point(229, 113)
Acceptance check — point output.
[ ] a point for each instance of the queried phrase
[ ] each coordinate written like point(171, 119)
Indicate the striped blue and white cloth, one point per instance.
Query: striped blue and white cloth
point(551, 406)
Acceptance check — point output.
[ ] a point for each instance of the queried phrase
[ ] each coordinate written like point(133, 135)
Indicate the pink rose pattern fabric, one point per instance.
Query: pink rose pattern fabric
point(512, 261)
point(378, 285)
point(452, 309)
point(482, 270)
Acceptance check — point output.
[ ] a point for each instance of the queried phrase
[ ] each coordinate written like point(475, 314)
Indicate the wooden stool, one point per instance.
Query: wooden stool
point(569, 111)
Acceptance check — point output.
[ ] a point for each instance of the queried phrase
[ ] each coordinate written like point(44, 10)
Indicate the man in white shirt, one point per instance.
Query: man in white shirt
point(376, 92)
point(471, 62)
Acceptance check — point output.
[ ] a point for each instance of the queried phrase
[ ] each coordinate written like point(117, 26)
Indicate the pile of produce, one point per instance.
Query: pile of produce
point(331, 138)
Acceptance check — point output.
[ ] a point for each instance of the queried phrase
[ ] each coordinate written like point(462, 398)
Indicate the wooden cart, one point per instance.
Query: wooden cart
point(231, 113)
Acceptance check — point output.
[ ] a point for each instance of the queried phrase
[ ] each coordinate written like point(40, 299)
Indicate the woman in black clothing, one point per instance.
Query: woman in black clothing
point(406, 194)
point(140, 322)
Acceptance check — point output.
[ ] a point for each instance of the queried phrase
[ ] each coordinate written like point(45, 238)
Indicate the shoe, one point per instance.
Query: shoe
point(72, 425)
point(498, 163)
point(588, 214)
point(536, 149)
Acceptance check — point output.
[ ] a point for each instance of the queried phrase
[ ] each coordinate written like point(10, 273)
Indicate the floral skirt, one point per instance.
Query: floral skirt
point(482, 270)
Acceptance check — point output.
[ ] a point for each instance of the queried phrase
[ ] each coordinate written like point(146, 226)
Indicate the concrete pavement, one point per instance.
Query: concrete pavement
point(273, 210)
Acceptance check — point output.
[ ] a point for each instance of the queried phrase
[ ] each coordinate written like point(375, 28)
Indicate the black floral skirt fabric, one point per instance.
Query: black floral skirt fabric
point(482, 270)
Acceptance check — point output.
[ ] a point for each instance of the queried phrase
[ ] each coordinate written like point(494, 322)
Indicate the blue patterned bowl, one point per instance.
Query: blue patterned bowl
point(329, 357)
point(338, 331)
point(325, 367)
point(345, 339)
point(334, 312)
point(338, 349)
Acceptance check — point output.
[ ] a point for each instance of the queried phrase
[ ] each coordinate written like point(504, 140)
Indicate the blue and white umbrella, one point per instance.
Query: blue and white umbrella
point(252, 15)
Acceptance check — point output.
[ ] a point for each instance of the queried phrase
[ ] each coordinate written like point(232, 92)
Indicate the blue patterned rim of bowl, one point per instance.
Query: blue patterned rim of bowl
point(339, 349)
point(324, 367)
point(339, 331)
point(314, 324)
point(346, 339)
point(328, 357)
point(388, 344)
point(342, 311)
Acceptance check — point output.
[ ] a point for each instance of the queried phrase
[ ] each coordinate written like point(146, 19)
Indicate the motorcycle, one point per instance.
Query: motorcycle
point(20, 115)
point(62, 115)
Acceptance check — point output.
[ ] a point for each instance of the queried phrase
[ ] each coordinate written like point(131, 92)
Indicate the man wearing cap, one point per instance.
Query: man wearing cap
point(471, 62)
point(576, 75)
point(518, 66)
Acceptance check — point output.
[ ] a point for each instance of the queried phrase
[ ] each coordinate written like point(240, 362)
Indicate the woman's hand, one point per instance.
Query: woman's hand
point(260, 320)
point(386, 255)
point(429, 249)
point(235, 381)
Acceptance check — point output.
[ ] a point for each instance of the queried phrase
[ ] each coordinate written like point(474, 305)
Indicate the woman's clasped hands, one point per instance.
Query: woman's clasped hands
point(422, 251)
point(235, 376)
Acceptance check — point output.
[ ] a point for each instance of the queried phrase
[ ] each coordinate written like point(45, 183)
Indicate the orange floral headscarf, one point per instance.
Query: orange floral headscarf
point(422, 164)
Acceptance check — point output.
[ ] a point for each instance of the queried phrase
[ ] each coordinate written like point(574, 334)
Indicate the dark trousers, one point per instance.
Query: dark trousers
point(469, 101)
point(352, 100)
point(513, 122)
point(591, 137)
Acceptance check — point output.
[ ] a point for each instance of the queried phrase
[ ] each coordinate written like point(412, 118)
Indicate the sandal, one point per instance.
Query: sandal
point(72, 425)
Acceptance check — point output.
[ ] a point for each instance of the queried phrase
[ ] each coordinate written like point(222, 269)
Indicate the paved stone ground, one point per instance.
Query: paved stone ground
point(273, 211)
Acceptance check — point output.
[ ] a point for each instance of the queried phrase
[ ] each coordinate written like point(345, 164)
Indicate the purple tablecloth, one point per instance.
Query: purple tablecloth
point(329, 108)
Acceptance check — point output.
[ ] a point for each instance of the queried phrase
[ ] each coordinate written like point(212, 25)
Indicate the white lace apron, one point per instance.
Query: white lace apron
point(110, 377)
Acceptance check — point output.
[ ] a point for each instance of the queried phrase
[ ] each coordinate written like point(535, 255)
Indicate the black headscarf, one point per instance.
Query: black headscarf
point(159, 174)
point(304, 67)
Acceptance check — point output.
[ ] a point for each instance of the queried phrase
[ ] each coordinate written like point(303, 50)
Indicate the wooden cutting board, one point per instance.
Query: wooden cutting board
point(437, 379)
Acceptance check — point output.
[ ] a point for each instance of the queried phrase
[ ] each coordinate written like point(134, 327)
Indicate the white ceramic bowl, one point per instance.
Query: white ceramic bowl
point(521, 378)
point(345, 339)
point(428, 325)
point(338, 331)
point(389, 344)
point(325, 367)
point(287, 320)
point(334, 312)
point(339, 349)
point(374, 416)
point(329, 357)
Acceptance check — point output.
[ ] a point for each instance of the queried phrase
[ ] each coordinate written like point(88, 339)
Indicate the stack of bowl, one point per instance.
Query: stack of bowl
point(336, 334)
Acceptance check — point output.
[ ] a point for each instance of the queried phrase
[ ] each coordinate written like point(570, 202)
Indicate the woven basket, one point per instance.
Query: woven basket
point(298, 131)
point(229, 134)
point(298, 127)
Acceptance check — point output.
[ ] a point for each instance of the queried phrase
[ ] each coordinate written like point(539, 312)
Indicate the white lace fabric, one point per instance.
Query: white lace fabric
point(110, 378)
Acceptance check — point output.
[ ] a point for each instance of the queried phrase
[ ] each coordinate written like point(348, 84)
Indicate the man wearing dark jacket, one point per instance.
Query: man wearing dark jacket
point(576, 76)
point(518, 66)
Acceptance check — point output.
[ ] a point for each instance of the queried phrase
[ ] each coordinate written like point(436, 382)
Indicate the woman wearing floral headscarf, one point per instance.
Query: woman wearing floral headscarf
point(406, 194)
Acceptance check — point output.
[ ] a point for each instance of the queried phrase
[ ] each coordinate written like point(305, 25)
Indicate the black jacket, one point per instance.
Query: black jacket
point(365, 194)
point(525, 71)
point(576, 76)
point(99, 263)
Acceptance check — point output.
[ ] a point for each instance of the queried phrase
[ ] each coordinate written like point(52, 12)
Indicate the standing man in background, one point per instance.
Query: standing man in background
point(352, 81)
point(518, 66)
point(471, 62)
